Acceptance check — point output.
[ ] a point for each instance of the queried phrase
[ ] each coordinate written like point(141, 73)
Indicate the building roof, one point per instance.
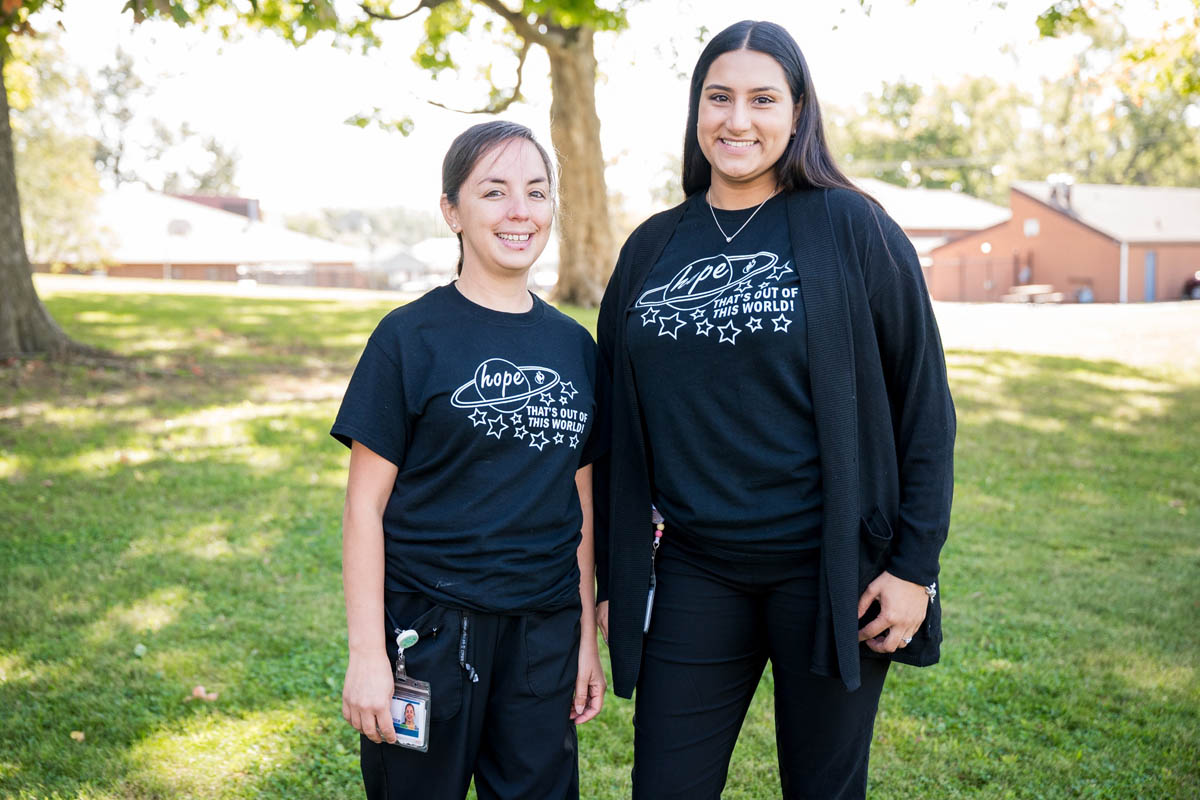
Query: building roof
point(148, 227)
point(1126, 213)
point(933, 209)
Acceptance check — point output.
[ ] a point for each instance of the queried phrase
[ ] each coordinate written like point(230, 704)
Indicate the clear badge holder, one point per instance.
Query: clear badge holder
point(410, 700)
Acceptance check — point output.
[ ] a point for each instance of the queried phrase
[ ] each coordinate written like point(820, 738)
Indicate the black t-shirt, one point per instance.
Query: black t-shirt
point(487, 415)
point(720, 359)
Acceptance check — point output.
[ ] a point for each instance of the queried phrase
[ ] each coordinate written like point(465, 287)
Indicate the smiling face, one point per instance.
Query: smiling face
point(744, 120)
point(504, 210)
point(410, 715)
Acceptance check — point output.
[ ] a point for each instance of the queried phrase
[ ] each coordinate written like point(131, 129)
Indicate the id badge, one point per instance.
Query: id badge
point(410, 700)
point(410, 713)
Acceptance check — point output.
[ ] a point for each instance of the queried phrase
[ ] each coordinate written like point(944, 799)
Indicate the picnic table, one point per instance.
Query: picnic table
point(1033, 293)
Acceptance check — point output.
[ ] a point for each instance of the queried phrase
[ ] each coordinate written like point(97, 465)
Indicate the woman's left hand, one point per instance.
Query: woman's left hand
point(902, 607)
point(589, 682)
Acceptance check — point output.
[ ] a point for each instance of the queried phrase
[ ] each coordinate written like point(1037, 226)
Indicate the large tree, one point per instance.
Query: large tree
point(565, 28)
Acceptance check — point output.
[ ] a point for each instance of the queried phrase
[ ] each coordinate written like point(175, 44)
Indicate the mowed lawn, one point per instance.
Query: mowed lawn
point(175, 523)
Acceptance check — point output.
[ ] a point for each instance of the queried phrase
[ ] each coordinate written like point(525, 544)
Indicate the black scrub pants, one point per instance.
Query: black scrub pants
point(502, 688)
point(716, 621)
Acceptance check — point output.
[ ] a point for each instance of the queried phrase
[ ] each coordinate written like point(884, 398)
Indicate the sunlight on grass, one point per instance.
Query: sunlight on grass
point(102, 459)
point(193, 509)
point(10, 466)
point(1157, 677)
point(13, 667)
point(106, 317)
point(151, 613)
point(212, 755)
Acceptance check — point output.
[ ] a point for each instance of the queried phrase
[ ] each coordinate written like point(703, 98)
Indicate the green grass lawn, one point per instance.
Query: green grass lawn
point(176, 523)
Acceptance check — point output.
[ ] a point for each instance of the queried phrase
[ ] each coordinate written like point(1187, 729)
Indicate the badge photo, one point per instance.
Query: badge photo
point(410, 720)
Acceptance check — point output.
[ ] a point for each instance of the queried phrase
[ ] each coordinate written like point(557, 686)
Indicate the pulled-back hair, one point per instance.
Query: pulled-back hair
point(806, 162)
point(473, 144)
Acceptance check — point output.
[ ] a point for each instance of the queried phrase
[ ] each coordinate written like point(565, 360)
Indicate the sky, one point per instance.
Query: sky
point(283, 109)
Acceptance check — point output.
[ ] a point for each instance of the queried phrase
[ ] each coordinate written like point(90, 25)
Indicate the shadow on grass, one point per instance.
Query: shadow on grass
point(1069, 583)
point(1069, 580)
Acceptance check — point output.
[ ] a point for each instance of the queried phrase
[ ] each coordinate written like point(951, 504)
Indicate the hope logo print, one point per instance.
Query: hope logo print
point(740, 292)
point(533, 402)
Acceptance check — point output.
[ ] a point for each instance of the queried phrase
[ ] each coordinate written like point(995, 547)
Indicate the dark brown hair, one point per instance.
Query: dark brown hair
point(806, 162)
point(473, 144)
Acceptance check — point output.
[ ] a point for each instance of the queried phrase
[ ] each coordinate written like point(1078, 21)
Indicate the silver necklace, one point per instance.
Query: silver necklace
point(728, 238)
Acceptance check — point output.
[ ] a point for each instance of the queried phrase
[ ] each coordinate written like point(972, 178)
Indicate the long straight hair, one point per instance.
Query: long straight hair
point(806, 162)
point(473, 144)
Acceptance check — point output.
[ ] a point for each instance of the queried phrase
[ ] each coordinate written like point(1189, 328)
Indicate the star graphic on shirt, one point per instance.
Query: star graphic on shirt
point(478, 417)
point(493, 430)
point(698, 313)
point(741, 286)
point(562, 399)
point(728, 335)
point(781, 323)
point(703, 327)
point(533, 441)
point(651, 315)
point(558, 438)
point(520, 432)
point(755, 324)
point(574, 440)
point(547, 398)
point(568, 389)
point(671, 325)
point(779, 271)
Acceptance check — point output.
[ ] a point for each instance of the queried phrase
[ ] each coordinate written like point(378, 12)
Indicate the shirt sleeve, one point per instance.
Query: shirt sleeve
point(923, 415)
point(373, 411)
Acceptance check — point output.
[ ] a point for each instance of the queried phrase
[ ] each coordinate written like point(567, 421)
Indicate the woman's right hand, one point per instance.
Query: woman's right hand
point(367, 697)
point(602, 619)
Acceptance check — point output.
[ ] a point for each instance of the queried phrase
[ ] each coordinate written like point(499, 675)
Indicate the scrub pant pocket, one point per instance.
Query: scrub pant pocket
point(501, 714)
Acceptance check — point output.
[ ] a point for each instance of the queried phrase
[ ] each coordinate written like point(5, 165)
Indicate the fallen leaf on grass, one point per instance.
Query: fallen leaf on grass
point(200, 693)
point(78, 736)
point(198, 372)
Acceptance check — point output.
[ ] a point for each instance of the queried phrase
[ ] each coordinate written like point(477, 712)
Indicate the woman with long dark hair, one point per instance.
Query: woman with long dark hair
point(780, 397)
point(467, 536)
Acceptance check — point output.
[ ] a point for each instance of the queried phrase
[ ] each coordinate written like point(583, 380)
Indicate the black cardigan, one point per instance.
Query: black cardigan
point(885, 427)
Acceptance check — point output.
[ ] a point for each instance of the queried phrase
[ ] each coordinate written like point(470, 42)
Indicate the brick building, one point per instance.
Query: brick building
point(1088, 242)
point(153, 235)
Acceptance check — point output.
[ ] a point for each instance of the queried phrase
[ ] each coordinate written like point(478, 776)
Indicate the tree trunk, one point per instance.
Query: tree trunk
point(586, 252)
point(26, 328)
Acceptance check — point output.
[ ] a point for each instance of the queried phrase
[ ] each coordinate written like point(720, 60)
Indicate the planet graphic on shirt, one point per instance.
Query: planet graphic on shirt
point(704, 280)
point(502, 385)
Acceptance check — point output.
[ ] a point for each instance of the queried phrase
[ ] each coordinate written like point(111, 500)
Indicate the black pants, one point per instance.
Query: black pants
point(502, 688)
point(716, 622)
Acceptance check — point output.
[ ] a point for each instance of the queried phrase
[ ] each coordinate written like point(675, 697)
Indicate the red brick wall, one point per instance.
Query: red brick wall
point(1175, 263)
point(189, 272)
point(1064, 254)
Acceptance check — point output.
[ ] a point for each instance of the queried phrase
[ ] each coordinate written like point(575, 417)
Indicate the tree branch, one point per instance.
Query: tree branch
point(370, 12)
point(521, 25)
point(501, 105)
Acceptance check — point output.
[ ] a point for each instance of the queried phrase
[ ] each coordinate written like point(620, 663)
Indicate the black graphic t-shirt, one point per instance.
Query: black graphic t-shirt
point(720, 358)
point(487, 415)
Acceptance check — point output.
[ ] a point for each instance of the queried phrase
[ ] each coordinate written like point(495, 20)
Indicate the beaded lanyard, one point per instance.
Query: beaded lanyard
point(659, 526)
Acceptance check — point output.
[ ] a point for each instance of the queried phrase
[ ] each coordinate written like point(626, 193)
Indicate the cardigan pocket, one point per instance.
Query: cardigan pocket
point(874, 545)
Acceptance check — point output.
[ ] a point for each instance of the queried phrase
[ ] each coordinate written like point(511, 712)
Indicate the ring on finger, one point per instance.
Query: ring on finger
point(907, 640)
